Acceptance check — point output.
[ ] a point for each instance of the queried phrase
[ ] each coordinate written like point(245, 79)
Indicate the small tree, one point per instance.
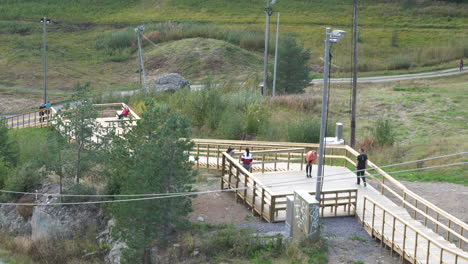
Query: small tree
point(293, 67)
point(151, 159)
point(384, 132)
point(78, 122)
point(8, 147)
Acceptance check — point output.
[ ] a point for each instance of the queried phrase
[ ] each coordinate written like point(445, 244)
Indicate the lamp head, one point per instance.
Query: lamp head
point(47, 20)
point(337, 35)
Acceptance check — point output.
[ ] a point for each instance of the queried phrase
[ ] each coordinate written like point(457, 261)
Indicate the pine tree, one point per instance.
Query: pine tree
point(151, 159)
point(8, 147)
point(78, 122)
point(293, 67)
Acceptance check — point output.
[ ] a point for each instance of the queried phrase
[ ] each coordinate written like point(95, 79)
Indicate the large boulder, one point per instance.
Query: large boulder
point(170, 82)
point(65, 221)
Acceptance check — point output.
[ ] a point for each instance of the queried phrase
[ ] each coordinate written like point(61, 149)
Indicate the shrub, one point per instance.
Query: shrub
point(400, 62)
point(115, 45)
point(26, 178)
point(26, 211)
point(384, 132)
point(307, 130)
point(231, 124)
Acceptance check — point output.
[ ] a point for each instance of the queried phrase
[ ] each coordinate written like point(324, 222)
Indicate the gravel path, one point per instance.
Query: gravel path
point(392, 78)
point(347, 240)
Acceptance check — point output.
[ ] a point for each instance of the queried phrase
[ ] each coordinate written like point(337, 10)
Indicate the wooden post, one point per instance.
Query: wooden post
point(415, 207)
point(393, 235)
point(217, 159)
point(237, 182)
point(404, 199)
point(253, 196)
point(383, 228)
point(349, 202)
point(262, 203)
point(364, 212)
point(302, 159)
point(263, 163)
point(289, 160)
point(441, 255)
point(461, 233)
point(437, 225)
point(230, 175)
point(336, 203)
point(404, 243)
point(382, 186)
point(449, 230)
point(428, 250)
point(425, 217)
point(276, 159)
point(208, 156)
point(223, 171)
point(272, 208)
point(416, 247)
point(373, 219)
point(198, 156)
point(245, 188)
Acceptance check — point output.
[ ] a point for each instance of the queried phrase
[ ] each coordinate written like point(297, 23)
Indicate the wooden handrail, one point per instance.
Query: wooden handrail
point(367, 198)
point(416, 197)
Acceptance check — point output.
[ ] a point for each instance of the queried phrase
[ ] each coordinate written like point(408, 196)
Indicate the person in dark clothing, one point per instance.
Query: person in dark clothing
point(361, 166)
point(460, 65)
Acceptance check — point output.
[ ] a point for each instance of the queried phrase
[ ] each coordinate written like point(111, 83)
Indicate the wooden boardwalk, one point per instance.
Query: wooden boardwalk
point(414, 228)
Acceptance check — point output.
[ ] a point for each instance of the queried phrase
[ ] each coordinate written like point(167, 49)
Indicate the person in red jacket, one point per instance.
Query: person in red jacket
point(310, 157)
point(124, 113)
point(247, 159)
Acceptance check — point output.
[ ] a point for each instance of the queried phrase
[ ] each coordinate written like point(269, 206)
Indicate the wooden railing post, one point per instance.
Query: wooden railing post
point(272, 208)
point(404, 244)
point(245, 188)
point(262, 203)
point(263, 163)
point(393, 234)
point(383, 228)
point(428, 252)
point(217, 157)
point(276, 160)
point(254, 190)
point(364, 211)
point(441, 255)
point(289, 159)
point(382, 186)
point(448, 231)
point(416, 247)
point(373, 219)
point(208, 156)
point(198, 156)
point(302, 159)
point(223, 170)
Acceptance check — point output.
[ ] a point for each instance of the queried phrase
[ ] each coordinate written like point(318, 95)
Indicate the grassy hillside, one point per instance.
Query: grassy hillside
point(394, 35)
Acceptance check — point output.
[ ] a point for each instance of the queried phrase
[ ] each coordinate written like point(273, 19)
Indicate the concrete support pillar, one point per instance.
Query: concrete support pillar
point(305, 217)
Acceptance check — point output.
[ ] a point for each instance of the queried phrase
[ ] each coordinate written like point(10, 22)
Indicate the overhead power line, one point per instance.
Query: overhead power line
point(216, 191)
point(165, 194)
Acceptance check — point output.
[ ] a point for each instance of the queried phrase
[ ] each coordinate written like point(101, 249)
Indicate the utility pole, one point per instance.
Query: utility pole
point(273, 93)
point(145, 87)
point(268, 12)
point(330, 37)
point(44, 22)
point(355, 69)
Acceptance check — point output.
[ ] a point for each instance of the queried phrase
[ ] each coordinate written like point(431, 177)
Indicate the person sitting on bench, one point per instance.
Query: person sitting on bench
point(124, 113)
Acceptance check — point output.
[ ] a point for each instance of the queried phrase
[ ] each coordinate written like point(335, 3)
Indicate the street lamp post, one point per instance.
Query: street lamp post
point(268, 12)
point(45, 21)
point(330, 37)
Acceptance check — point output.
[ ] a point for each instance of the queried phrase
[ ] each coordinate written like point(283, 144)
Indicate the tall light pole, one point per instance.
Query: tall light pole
point(268, 12)
point(44, 22)
point(355, 69)
point(138, 30)
point(330, 37)
point(273, 92)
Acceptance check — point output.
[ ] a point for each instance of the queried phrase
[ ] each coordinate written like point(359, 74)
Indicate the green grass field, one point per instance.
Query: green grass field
point(394, 36)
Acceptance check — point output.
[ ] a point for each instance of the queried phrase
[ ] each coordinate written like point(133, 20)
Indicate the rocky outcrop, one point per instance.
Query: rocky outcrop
point(12, 223)
point(116, 246)
point(49, 221)
point(170, 82)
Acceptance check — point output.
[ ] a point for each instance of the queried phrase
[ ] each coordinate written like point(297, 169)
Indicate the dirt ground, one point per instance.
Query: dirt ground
point(348, 242)
point(16, 102)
